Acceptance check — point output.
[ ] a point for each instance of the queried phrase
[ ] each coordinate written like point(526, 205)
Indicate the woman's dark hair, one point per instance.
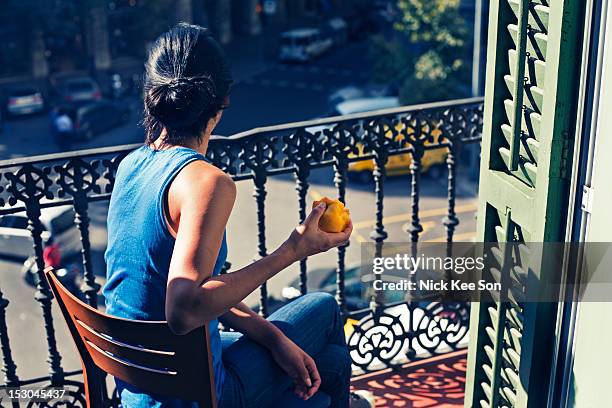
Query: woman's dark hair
point(187, 81)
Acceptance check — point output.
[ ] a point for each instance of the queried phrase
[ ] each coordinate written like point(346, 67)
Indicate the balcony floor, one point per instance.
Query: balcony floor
point(434, 382)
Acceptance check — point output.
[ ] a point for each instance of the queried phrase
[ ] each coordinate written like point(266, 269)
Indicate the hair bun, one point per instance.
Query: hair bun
point(180, 102)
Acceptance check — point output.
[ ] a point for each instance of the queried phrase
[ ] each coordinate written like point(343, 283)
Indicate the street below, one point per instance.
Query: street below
point(277, 93)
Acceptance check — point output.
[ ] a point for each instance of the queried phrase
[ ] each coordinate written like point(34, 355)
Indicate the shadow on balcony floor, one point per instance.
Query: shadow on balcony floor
point(434, 382)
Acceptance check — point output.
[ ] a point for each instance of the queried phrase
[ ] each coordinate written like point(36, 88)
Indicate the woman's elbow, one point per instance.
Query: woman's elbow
point(180, 309)
point(185, 312)
point(180, 323)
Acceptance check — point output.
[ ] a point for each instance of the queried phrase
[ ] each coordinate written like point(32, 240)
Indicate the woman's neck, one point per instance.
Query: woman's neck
point(200, 145)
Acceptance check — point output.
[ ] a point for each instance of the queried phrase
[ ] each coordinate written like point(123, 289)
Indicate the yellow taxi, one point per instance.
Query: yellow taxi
point(433, 161)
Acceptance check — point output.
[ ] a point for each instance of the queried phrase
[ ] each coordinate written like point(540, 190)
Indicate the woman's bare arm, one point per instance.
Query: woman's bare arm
point(205, 196)
point(244, 320)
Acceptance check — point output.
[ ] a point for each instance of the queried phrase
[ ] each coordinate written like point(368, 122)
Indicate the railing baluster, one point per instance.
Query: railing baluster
point(257, 155)
point(90, 287)
point(260, 197)
point(78, 178)
point(379, 174)
point(340, 169)
point(301, 186)
point(415, 227)
point(339, 148)
point(9, 368)
point(451, 221)
point(43, 294)
point(415, 224)
point(300, 150)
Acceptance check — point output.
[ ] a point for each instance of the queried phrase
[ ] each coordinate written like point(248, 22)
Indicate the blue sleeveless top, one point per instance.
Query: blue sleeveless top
point(139, 250)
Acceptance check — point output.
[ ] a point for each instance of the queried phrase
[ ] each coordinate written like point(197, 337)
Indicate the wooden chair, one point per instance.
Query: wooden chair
point(145, 354)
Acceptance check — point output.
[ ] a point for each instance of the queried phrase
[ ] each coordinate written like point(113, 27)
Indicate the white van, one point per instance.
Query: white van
point(303, 44)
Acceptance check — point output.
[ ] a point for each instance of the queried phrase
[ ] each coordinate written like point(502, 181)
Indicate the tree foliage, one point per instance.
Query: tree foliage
point(425, 56)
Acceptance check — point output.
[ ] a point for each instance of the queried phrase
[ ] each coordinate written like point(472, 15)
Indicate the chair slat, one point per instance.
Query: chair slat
point(156, 334)
point(144, 357)
point(150, 381)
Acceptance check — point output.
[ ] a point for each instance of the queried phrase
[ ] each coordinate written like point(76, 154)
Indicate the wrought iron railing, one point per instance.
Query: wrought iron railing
point(82, 177)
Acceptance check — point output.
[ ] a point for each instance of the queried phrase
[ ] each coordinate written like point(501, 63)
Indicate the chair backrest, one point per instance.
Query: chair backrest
point(146, 354)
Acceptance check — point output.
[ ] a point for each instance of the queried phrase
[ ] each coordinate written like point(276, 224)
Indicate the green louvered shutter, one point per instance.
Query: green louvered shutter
point(531, 91)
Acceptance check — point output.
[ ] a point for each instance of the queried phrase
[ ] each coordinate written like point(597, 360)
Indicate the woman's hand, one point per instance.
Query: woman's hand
point(300, 367)
point(308, 239)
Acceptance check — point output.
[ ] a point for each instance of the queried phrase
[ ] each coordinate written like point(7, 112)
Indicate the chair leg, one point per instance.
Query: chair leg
point(94, 389)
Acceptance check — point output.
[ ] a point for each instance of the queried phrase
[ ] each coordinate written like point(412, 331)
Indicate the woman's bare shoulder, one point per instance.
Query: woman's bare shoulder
point(202, 178)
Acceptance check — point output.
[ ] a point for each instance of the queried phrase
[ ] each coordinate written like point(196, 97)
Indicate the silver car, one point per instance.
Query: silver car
point(58, 222)
point(25, 101)
point(79, 89)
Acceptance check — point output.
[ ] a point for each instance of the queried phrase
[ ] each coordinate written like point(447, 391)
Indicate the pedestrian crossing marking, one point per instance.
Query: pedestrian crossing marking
point(422, 214)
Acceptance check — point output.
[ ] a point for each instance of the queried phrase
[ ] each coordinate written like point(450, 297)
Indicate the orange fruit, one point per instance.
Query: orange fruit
point(336, 216)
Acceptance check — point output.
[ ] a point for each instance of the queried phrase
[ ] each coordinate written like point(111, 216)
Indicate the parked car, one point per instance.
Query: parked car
point(59, 230)
point(24, 100)
point(87, 119)
point(58, 223)
point(432, 162)
point(77, 89)
point(303, 44)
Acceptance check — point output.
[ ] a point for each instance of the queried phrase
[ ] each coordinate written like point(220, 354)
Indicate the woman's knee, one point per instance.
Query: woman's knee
point(322, 301)
point(312, 316)
point(326, 311)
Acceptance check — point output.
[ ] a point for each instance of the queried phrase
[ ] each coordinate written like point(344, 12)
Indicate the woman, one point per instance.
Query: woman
point(166, 227)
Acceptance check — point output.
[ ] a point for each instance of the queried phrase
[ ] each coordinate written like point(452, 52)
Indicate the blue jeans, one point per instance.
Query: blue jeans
point(313, 322)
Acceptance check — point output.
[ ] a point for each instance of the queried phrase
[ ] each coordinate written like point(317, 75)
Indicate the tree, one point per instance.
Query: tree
point(424, 56)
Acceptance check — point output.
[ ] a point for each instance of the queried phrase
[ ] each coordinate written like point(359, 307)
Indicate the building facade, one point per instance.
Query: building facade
point(103, 35)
